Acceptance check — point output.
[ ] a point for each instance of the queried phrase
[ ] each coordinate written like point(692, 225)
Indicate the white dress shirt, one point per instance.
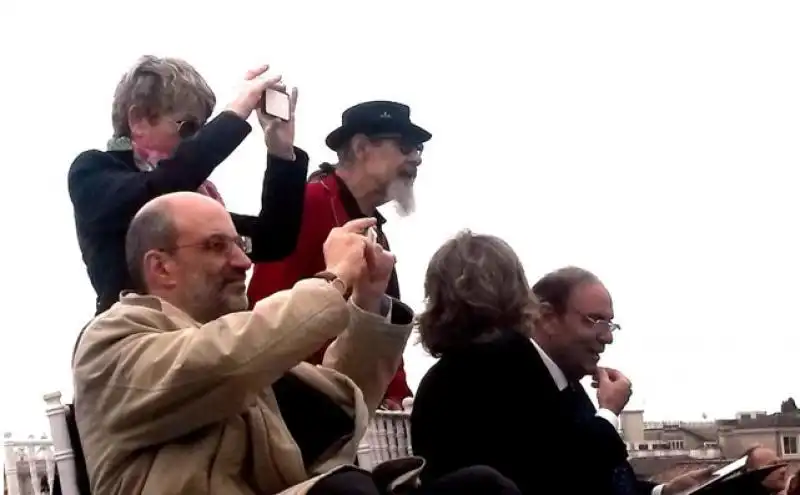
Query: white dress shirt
point(561, 382)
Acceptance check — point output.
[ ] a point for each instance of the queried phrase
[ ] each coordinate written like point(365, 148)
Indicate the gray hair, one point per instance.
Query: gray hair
point(556, 287)
point(345, 153)
point(151, 228)
point(160, 86)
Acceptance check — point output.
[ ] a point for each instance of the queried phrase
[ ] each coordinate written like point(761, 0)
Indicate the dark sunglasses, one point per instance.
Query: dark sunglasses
point(406, 146)
point(188, 128)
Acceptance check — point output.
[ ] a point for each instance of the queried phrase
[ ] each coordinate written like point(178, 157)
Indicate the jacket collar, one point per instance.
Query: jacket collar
point(347, 199)
point(125, 156)
point(558, 375)
point(130, 298)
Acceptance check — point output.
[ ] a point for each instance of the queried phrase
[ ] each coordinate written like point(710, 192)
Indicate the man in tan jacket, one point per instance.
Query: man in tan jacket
point(179, 390)
point(177, 387)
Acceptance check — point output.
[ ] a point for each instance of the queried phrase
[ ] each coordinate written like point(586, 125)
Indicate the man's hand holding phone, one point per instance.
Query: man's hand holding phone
point(344, 251)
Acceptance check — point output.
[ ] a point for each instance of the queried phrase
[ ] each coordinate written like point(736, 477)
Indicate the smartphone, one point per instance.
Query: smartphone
point(276, 103)
point(721, 474)
point(733, 467)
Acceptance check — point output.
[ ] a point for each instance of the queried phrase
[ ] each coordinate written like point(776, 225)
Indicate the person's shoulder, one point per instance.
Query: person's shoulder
point(319, 199)
point(319, 189)
point(92, 157)
point(123, 323)
point(501, 355)
point(93, 160)
point(500, 345)
point(130, 307)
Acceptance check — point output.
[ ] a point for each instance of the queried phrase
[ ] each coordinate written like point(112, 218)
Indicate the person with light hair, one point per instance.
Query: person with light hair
point(164, 142)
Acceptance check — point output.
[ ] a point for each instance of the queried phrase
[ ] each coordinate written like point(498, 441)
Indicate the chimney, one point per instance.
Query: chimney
point(632, 424)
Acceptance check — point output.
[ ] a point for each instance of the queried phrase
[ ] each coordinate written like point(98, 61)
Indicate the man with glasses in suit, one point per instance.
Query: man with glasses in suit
point(574, 327)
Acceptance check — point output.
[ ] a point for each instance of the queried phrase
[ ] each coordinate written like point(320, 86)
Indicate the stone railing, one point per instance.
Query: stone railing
point(29, 465)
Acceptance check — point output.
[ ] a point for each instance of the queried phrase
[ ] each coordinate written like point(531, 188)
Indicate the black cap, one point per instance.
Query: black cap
point(377, 117)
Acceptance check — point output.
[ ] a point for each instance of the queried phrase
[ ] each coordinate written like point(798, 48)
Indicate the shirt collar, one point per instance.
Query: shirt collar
point(559, 377)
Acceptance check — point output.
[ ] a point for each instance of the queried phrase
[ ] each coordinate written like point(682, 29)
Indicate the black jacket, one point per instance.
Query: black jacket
point(496, 404)
point(107, 189)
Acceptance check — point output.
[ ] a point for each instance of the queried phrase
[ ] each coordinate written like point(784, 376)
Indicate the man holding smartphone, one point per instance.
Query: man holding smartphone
point(379, 153)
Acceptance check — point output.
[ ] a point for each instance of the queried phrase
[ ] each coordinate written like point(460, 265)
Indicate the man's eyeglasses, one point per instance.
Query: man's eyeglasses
point(600, 324)
point(221, 244)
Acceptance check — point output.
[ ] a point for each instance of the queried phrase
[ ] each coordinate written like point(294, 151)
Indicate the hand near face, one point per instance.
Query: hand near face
point(613, 389)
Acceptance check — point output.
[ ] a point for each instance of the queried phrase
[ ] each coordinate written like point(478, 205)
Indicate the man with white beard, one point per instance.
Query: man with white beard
point(379, 153)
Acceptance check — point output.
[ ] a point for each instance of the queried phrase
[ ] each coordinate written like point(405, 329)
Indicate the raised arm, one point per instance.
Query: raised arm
point(371, 348)
point(276, 229)
point(106, 193)
point(157, 375)
point(161, 385)
point(369, 352)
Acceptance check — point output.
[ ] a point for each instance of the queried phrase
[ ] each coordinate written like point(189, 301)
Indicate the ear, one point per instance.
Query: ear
point(360, 145)
point(546, 310)
point(547, 317)
point(158, 269)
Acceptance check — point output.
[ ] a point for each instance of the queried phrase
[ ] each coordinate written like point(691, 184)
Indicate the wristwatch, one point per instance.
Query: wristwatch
point(335, 281)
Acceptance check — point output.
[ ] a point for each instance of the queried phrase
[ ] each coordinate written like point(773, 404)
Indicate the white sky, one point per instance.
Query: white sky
point(652, 142)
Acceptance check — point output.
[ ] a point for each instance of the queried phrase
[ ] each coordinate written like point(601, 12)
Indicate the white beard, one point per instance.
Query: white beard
point(402, 193)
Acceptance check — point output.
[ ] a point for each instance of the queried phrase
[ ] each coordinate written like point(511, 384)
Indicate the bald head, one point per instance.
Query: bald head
point(759, 456)
point(157, 225)
point(184, 249)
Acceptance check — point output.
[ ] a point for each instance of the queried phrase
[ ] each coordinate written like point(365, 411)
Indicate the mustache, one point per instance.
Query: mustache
point(409, 170)
point(234, 277)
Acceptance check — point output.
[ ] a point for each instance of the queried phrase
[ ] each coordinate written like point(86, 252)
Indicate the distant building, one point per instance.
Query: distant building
point(779, 432)
point(665, 449)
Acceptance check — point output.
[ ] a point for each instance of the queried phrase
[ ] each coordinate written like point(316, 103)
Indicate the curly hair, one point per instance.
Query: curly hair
point(160, 86)
point(475, 286)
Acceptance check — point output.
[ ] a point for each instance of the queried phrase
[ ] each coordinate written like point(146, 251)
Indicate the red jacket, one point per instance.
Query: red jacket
point(328, 204)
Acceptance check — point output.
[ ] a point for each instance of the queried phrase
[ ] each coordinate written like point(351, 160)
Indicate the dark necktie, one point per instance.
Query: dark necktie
point(623, 479)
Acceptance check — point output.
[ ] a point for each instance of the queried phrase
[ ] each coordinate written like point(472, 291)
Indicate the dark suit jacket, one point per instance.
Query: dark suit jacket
point(496, 404)
point(107, 189)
